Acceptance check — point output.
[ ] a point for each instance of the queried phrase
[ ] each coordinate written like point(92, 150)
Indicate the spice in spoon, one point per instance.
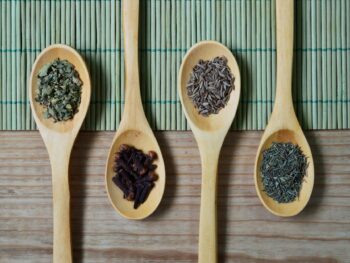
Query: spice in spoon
point(210, 85)
point(282, 171)
point(59, 90)
point(135, 173)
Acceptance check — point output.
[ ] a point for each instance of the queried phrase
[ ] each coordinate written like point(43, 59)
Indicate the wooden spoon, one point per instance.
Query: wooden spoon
point(210, 133)
point(133, 129)
point(59, 138)
point(283, 125)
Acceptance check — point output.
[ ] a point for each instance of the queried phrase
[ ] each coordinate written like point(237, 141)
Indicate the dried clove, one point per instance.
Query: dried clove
point(135, 173)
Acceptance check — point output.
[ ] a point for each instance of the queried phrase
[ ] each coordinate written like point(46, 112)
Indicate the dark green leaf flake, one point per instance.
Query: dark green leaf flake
point(59, 90)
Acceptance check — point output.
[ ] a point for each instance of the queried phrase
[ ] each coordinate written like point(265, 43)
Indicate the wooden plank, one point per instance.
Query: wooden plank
point(247, 232)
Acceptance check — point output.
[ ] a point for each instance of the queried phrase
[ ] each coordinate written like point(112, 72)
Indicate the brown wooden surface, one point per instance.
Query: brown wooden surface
point(247, 232)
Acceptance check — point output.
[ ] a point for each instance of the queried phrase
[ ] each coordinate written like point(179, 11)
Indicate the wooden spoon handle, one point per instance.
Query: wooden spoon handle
point(285, 38)
point(133, 104)
point(62, 251)
point(207, 225)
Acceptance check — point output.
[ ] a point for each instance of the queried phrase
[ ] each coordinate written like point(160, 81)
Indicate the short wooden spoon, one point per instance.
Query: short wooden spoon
point(133, 129)
point(210, 133)
point(283, 125)
point(59, 138)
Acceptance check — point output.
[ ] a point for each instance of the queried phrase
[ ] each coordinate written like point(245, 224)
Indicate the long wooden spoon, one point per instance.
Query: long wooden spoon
point(133, 129)
point(210, 133)
point(283, 125)
point(59, 138)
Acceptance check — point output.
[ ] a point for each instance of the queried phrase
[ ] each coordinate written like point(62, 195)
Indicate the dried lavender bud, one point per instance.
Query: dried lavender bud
point(210, 85)
point(59, 90)
point(283, 170)
point(135, 173)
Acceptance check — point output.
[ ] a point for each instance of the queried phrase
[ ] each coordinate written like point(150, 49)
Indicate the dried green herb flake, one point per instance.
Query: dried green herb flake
point(59, 90)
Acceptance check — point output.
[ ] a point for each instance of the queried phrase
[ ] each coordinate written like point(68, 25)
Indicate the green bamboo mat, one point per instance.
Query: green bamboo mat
point(168, 28)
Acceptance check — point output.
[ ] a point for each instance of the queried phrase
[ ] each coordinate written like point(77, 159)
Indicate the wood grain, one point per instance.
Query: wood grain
point(247, 232)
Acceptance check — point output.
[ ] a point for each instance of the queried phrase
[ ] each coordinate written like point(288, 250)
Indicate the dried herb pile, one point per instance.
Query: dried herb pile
point(282, 171)
point(135, 173)
point(210, 85)
point(59, 90)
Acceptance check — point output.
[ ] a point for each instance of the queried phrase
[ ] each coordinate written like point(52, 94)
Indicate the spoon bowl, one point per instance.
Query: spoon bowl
point(210, 133)
point(59, 138)
point(145, 142)
point(48, 55)
point(207, 50)
point(297, 137)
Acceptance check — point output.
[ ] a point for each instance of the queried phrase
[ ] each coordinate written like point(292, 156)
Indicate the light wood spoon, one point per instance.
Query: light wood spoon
point(210, 133)
point(283, 125)
point(133, 129)
point(59, 138)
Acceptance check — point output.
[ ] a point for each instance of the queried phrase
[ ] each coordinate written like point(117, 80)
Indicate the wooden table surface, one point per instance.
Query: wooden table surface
point(247, 232)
